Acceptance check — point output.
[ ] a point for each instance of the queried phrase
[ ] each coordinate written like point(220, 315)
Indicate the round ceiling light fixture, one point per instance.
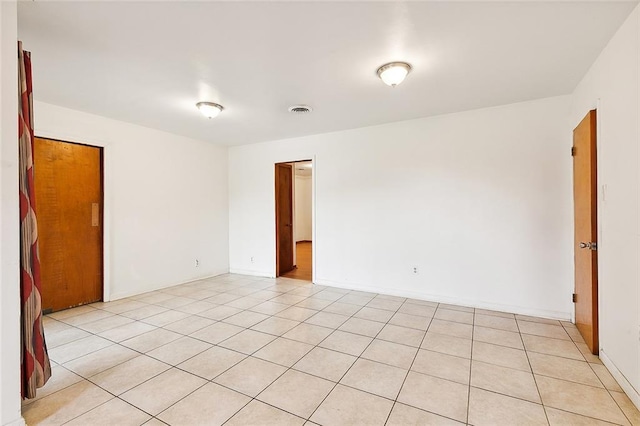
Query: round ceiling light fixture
point(300, 109)
point(394, 73)
point(209, 109)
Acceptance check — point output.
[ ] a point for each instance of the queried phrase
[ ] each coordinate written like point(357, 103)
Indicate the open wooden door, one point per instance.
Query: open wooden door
point(284, 218)
point(586, 230)
point(68, 182)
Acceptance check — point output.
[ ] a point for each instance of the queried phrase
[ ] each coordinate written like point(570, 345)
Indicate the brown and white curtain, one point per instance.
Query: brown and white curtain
point(36, 368)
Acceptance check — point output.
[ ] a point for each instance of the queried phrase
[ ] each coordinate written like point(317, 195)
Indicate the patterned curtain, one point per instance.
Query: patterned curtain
point(35, 365)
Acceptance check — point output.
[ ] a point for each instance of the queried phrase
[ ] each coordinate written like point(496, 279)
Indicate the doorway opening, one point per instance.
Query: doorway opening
point(585, 204)
point(294, 219)
point(69, 200)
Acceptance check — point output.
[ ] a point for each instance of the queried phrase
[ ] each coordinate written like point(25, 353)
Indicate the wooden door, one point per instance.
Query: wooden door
point(68, 184)
point(586, 230)
point(284, 218)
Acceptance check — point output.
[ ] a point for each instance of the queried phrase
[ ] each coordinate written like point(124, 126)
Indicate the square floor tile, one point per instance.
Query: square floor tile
point(60, 378)
point(216, 333)
point(63, 336)
point(327, 319)
point(580, 399)
point(492, 321)
point(342, 308)
point(455, 316)
point(144, 312)
point(450, 328)
point(403, 415)
point(442, 365)
point(387, 304)
point(630, 410)
point(220, 312)
point(545, 330)
point(297, 393)
point(164, 318)
point(308, 333)
point(606, 378)
point(112, 412)
point(439, 396)
point(105, 324)
point(250, 376)
point(259, 413)
point(173, 384)
point(563, 368)
point(129, 374)
point(417, 309)
point(374, 377)
point(98, 361)
point(212, 404)
point(78, 348)
point(349, 343)
point(246, 319)
point(283, 351)
point(352, 407)
point(390, 353)
point(516, 383)
point(402, 335)
point(179, 350)
point(127, 331)
point(490, 409)
point(447, 345)
point(498, 337)
point(269, 308)
point(212, 362)
point(276, 326)
point(63, 406)
point(247, 341)
point(501, 355)
point(297, 313)
point(564, 418)
point(410, 321)
point(373, 314)
point(189, 325)
point(362, 326)
point(325, 363)
point(149, 341)
point(549, 346)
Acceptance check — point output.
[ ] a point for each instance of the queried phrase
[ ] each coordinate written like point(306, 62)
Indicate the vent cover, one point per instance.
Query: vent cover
point(300, 109)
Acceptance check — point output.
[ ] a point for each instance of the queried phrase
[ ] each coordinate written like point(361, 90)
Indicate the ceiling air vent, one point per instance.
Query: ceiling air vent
point(300, 109)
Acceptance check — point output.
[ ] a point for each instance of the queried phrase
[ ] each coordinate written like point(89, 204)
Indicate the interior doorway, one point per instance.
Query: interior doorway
point(69, 200)
point(586, 229)
point(294, 220)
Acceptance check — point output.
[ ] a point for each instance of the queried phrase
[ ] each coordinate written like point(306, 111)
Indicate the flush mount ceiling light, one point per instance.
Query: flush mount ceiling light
point(209, 109)
point(394, 73)
point(300, 109)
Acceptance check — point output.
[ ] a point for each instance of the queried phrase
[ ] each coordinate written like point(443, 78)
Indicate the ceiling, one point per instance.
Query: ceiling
point(149, 62)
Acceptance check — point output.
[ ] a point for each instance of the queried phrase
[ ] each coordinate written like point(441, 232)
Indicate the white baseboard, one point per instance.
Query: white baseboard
point(17, 422)
point(251, 273)
point(126, 294)
point(627, 387)
point(563, 316)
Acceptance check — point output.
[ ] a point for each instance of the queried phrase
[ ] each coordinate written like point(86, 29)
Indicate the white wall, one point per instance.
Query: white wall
point(612, 86)
point(9, 219)
point(302, 220)
point(479, 202)
point(166, 200)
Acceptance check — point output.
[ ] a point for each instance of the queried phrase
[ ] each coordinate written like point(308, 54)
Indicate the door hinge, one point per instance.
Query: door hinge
point(574, 298)
point(573, 151)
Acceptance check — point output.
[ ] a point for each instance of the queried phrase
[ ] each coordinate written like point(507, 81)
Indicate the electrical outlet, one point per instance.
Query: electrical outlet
point(415, 269)
point(197, 263)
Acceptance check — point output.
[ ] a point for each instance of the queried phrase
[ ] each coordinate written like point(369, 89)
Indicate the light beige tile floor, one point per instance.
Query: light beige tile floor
point(254, 351)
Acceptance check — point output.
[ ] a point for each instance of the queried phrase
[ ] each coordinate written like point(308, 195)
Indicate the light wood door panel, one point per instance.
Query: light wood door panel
point(68, 184)
point(586, 229)
point(284, 218)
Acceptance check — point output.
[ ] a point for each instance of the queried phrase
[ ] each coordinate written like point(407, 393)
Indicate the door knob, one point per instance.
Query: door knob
point(590, 246)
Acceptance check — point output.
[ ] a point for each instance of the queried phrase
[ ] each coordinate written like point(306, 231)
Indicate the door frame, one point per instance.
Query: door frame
point(107, 173)
point(313, 160)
